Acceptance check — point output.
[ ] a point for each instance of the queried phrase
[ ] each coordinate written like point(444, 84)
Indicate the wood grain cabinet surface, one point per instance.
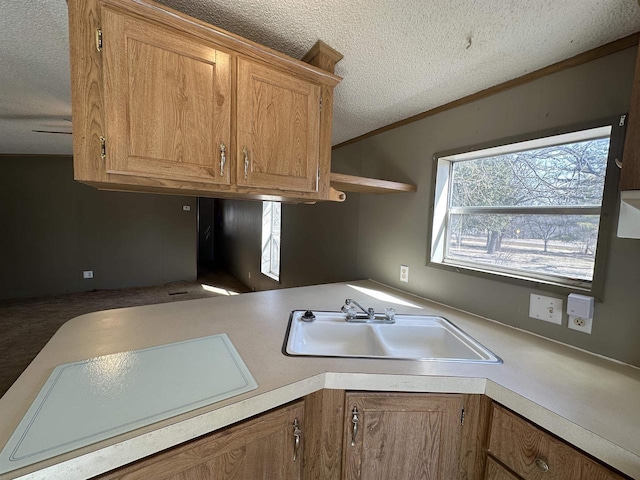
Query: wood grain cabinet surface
point(278, 125)
point(165, 103)
point(262, 448)
point(402, 436)
point(534, 454)
point(630, 174)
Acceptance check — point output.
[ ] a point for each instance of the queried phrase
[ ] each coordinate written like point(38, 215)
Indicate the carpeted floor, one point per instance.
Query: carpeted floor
point(26, 325)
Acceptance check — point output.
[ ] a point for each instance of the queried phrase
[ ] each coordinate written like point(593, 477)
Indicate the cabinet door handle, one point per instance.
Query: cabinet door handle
point(355, 420)
point(246, 162)
point(223, 158)
point(541, 464)
point(297, 433)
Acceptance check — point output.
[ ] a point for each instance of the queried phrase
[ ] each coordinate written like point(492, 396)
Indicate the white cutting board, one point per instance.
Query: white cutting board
point(88, 401)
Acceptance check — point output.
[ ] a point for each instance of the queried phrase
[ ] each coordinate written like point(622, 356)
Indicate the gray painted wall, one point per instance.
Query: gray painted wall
point(54, 228)
point(318, 243)
point(393, 228)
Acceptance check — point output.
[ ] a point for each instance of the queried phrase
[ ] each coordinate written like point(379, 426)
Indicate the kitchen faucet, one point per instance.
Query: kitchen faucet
point(368, 316)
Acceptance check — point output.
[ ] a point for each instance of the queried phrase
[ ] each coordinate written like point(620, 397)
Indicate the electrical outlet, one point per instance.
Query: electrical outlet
point(544, 308)
point(87, 274)
point(404, 273)
point(580, 324)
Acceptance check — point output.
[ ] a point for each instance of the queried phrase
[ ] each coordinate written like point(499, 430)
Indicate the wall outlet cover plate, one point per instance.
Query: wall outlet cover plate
point(404, 273)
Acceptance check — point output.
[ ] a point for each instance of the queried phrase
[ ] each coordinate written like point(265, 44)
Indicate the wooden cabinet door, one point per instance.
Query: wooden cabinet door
point(278, 128)
point(258, 449)
point(402, 436)
point(167, 103)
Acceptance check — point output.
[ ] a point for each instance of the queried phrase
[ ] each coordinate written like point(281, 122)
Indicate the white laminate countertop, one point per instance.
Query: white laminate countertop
point(589, 401)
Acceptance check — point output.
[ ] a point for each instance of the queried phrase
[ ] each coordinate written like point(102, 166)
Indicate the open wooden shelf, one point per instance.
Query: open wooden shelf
point(352, 183)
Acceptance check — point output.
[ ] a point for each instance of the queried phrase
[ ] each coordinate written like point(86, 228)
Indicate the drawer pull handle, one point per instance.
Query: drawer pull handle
point(541, 464)
point(297, 433)
point(354, 428)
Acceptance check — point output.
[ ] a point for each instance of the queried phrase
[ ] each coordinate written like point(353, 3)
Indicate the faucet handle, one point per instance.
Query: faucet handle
point(349, 310)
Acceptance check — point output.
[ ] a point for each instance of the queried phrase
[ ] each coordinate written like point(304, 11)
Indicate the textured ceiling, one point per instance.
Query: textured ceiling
point(400, 58)
point(35, 93)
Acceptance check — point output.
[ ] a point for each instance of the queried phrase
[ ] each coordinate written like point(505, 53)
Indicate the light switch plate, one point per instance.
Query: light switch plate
point(544, 308)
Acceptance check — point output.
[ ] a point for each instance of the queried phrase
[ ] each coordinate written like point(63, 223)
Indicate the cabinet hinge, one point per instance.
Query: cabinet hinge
point(462, 417)
point(320, 102)
point(103, 148)
point(98, 39)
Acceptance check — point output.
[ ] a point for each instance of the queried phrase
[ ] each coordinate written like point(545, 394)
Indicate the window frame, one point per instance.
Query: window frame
point(436, 244)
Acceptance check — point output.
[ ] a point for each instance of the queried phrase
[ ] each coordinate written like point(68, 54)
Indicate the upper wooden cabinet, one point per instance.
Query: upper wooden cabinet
point(165, 103)
point(278, 124)
point(630, 175)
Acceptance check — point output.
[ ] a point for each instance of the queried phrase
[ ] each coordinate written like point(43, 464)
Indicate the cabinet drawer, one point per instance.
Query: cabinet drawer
point(535, 454)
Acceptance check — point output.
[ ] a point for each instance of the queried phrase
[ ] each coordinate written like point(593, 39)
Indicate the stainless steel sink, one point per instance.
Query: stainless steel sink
point(411, 337)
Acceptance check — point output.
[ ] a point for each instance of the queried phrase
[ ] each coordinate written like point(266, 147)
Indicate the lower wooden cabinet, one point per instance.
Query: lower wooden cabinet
point(401, 436)
point(338, 435)
point(533, 454)
point(268, 447)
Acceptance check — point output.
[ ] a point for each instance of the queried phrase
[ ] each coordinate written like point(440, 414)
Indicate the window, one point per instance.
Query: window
point(270, 258)
point(529, 210)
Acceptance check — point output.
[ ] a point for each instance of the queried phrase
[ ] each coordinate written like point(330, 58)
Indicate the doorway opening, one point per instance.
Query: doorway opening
point(212, 273)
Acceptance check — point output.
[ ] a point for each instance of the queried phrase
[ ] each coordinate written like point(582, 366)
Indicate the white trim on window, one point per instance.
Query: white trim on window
point(270, 256)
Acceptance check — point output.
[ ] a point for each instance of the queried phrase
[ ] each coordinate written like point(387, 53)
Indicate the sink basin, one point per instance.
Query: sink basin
point(411, 337)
